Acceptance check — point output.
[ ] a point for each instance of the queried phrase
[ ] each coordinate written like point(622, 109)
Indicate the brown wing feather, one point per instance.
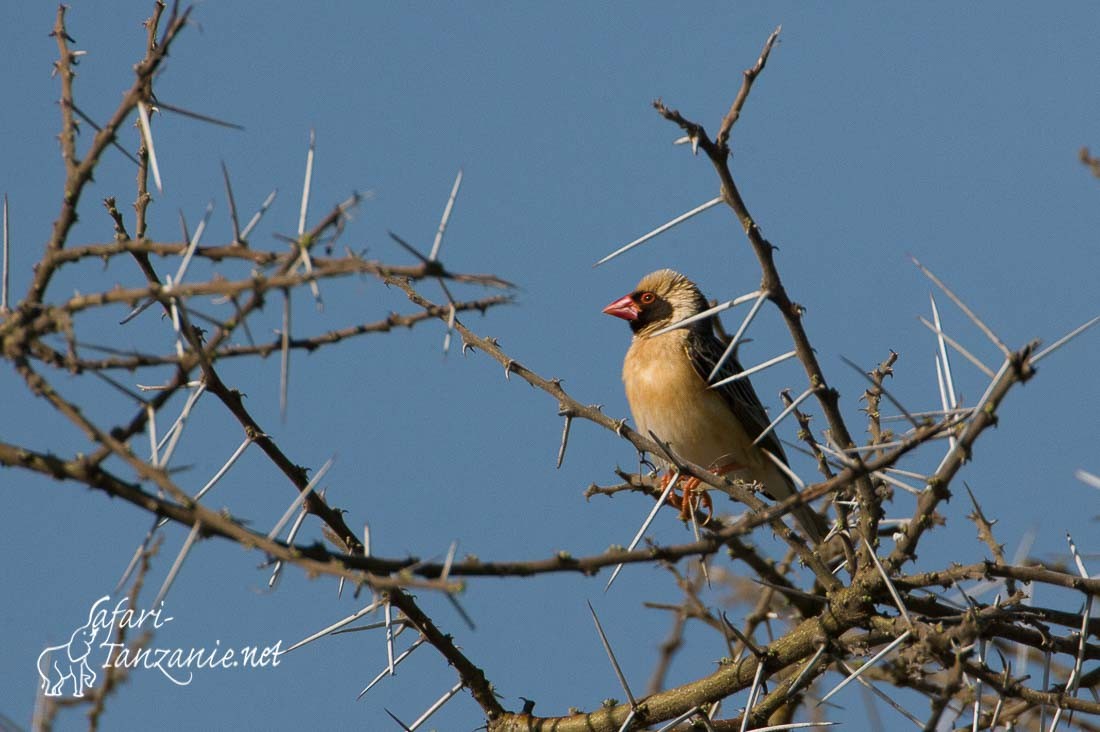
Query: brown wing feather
point(705, 350)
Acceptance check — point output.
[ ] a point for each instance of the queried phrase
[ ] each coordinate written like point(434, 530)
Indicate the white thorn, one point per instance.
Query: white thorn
point(1063, 340)
point(953, 402)
point(435, 707)
point(790, 408)
point(645, 524)
point(661, 229)
point(4, 268)
point(1088, 478)
point(335, 626)
point(386, 671)
point(258, 215)
point(300, 499)
point(146, 130)
point(611, 657)
point(446, 217)
point(184, 551)
point(749, 372)
point(709, 312)
point(732, 345)
point(867, 666)
point(306, 184)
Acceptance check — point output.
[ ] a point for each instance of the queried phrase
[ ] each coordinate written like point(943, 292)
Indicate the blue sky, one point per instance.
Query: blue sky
point(945, 131)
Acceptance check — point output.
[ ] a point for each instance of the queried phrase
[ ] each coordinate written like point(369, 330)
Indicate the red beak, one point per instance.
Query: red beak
point(624, 308)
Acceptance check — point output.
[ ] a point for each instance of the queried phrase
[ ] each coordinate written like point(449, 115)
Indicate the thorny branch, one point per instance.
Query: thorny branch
point(812, 618)
point(25, 329)
point(867, 581)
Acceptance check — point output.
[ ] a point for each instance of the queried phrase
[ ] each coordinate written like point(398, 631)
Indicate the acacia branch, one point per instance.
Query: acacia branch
point(1016, 370)
point(80, 173)
point(771, 282)
point(313, 559)
point(748, 77)
point(132, 361)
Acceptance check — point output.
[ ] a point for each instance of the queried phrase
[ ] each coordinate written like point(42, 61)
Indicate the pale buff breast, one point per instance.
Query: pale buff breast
point(667, 396)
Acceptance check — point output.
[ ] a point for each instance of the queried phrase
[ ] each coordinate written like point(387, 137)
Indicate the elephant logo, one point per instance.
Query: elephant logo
point(58, 664)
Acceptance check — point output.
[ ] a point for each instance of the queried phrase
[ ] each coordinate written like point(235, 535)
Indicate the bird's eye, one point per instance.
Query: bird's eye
point(647, 298)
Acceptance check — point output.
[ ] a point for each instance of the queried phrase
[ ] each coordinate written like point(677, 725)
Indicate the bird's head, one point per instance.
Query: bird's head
point(661, 298)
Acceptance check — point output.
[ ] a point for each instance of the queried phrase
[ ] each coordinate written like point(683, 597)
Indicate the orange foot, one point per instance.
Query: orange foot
point(693, 494)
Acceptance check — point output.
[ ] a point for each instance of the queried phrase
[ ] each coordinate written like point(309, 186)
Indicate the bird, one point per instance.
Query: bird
point(666, 379)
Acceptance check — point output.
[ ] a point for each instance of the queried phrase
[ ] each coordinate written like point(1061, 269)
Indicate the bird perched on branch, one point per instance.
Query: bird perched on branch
point(667, 388)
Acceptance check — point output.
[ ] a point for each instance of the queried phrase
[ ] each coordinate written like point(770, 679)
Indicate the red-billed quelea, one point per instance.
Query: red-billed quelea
point(666, 384)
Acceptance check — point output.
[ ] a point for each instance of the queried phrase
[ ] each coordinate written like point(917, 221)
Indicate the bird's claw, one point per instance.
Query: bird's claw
point(694, 494)
point(693, 497)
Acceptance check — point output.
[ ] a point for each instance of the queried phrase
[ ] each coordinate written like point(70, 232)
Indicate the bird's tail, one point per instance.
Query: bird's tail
point(778, 485)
